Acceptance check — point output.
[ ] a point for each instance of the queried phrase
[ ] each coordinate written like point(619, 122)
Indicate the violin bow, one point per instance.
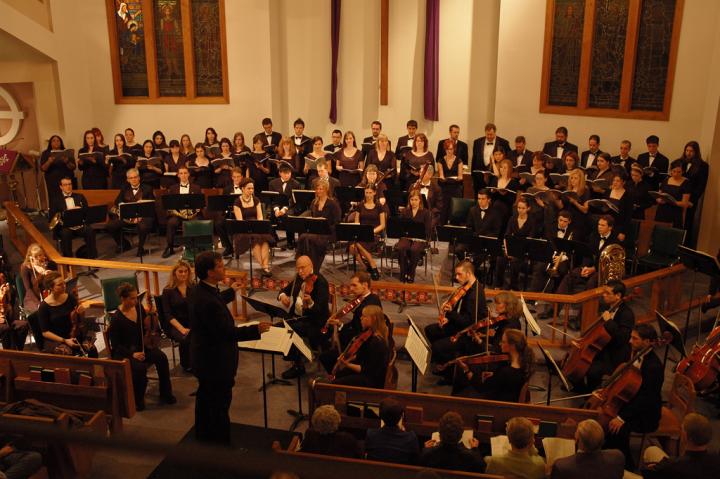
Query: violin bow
point(437, 294)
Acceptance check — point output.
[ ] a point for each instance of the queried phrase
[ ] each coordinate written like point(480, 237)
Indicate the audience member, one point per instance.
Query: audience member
point(523, 460)
point(392, 443)
point(16, 462)
point(449, 452)
point(589, 438)
point(323, 436)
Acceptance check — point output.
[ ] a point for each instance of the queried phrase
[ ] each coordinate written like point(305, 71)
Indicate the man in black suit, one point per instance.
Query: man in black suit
point(449, 452)
point(302, 142)
point(336, 142)
point(586, 276)
point(521, 157)
point(458, 316)
point(482, 219)
point(312, 308)
point(68, 200)
point(405, 142)
point(587, 158)
point(369, 141)
point(482, 155)
point(652, 158)
point(214, 348)
point(273, 137)
point(219, 217)
point(280, 208)
point(696, 461)
point(560, 147)
point(183, 187)
point(323, 174)
point(619, 321)
point(132, 192)
point(642, 412)
point(624, 161)
point(562, 228)
point(391, 443)
point(461, 148)
point(604, 464)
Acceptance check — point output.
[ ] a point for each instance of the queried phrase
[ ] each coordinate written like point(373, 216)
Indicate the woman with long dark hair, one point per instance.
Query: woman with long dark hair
point(120, 159)
point(91, 161)
point(56, 166)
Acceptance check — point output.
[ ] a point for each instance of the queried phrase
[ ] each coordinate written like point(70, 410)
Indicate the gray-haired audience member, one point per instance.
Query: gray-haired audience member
point(589, 438)
point(323, 436)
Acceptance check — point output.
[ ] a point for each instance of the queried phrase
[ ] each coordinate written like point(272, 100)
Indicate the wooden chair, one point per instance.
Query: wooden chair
point(391, 375)
point(680, 402)
point(525, 394)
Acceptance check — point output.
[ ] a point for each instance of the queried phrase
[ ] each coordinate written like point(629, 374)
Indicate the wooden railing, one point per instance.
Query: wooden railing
point(664, 284)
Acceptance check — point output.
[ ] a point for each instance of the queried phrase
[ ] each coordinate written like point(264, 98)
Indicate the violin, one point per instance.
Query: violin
point(77, 321)
point(454, 298)
point(584, 349)
point(476, 359)
point(151, 327)
point(349, 306)
point(702, 365)
point(480, 325)
point(308, 289)
point(351, 350)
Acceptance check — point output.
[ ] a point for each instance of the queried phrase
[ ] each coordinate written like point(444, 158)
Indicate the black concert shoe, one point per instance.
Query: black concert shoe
point(168, 252)
point(410, 279)
point(294, 372)
point(374, 274)
point(168, 399)
point(142, 252)
point(266, 273)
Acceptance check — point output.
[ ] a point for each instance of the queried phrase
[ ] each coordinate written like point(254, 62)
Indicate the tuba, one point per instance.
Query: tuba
point(612, 264)
point(184, 214)
point(56, 220)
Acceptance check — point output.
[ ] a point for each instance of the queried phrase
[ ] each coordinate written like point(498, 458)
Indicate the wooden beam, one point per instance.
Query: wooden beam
point(384, 42)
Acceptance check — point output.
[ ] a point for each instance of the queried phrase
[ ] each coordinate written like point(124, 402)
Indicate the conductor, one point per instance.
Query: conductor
point(214, 348)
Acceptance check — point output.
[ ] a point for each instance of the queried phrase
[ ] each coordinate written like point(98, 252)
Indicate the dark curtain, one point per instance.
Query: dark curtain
point(335, 41)
point(432, 56)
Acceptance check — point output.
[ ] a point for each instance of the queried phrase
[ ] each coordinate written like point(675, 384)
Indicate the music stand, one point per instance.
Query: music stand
point(192, 201)
point(222, 203)
point(553, 369)
point(394, 198)
point(453, 235)
point(85, 217)
point(303, 199)
point(574, 250)
point(419, 350)
point(537, 250)
point(251, 227)
point(485, 248)
point(697, 262)
point(349, 194)
point(398, 227)
point(670, 329)
point(135, 210)
point(354, 233)
point(307, 224)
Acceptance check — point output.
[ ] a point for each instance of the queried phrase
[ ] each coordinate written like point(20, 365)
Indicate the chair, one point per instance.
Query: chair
point(198, 237)
point(391, 375)
point(165, 325)
point(459, 209)
point(112, 300)
point(663, 247)
point(681, 401)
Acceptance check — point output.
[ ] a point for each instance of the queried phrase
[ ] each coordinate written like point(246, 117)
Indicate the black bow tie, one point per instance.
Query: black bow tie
point(489, 144)
point(561, 231)
point(561, 145)
point(603, 238)
point(184, 186)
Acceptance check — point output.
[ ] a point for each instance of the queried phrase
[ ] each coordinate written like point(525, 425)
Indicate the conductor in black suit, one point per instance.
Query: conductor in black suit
point(461, 148)
point(63, 202)
point(560, 147)
point(619, 321)
point(642, 412)
point(214, 349)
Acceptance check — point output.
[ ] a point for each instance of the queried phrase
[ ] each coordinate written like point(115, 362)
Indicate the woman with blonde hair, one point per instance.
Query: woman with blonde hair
point(577, 203)
point(175, 308)
point(365, 361)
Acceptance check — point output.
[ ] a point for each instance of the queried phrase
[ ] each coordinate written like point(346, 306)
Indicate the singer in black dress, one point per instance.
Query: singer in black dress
point(349, 158)
point(450, 176)
point(385, 160)
point(95, 174)
point(173, 161)
point(200, 169)
point(152, 170)
point(678, 187)
point(315, 245)
point(259, 168)
point(248, 207)
point(118, 170)
point(56, 168)
point(410, 250)
point(175, 309)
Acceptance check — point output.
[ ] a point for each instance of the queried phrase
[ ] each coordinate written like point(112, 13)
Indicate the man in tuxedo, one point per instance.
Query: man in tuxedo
point(520, 156)
point(623, 160)
point(405, 142)
point(336, 142)
point(588, 157)
point(604, 464)
point(302, 142)
point(586, 276)
point(69, 201)
point(560, 147)
point(619, 321)
point(562, 228)
point(323, 174)
point(461, 148)
point(214, 348)
point(183, 187)
point(311, 307)
point(432, 194)
point(652, 158)
point(280, 208)
point(696, 171)
point(369, 141)
point(219, 217)
point(482, 155)
point(642, 412)
point(483, 219)
point(132, 192)
point(273, 137)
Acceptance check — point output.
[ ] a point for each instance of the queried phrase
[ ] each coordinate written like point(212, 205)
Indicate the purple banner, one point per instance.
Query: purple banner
point(432, 59)
point(335, 43)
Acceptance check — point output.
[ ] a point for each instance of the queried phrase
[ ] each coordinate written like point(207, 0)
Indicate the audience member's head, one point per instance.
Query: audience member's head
point(391, 412)
point(589, 436)
point(697, 431)
point(450, 428)
point(520, 433)
point(325, 420)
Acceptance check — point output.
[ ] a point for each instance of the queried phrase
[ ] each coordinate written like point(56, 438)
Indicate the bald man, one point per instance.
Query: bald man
point(605, 464)
point(307, 297)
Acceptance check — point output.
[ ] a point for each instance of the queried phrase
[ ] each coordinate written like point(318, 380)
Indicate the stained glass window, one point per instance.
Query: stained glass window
point(130, 30)
point(169, 47)
point(608, 52)
point(566, 50)
point(207, 48)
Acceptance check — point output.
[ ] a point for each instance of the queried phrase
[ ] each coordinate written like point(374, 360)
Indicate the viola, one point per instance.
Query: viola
point(151, 328)
point(454, 299)
point(349, 306)
point(702, 365)
point(476, 359)
point(308, 289)
point(351, 350)
point(479, 326)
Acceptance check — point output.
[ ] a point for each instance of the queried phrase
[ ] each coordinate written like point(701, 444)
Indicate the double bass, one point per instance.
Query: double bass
point(702, 365)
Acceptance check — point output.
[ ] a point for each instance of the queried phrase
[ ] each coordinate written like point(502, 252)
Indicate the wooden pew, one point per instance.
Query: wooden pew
point(423, 411)
point(112, 391)
point(64, 460)
point(333, 467)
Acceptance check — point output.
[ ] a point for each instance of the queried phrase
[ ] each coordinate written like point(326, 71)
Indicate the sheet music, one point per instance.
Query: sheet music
point(466, 437)
point(557, 448)
point(529, 317)
point(276, 339)
point(499, 445)
point(417, 347)
point(299, 342)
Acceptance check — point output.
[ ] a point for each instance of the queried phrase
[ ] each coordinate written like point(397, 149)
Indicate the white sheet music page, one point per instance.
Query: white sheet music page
point(419, 353)
point(276, 339)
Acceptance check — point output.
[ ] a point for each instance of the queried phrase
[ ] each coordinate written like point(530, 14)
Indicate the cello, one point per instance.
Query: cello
point(702, 365)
